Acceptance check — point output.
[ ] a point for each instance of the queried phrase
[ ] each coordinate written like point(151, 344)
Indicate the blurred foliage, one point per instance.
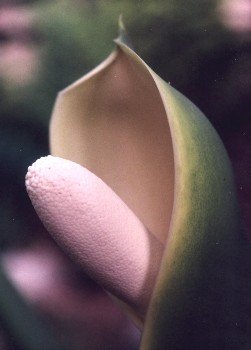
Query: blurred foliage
point(183, 41)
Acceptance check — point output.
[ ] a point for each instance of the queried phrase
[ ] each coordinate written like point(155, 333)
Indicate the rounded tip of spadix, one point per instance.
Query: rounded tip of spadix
point(45, 171)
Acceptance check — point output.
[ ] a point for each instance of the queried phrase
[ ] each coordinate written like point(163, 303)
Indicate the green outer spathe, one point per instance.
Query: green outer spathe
point(196, 300)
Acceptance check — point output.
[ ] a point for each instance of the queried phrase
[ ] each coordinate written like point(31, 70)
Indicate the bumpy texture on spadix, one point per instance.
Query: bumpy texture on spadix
point(85, 215)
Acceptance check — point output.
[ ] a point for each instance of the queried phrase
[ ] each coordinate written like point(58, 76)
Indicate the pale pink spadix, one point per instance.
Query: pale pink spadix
point(88, 219)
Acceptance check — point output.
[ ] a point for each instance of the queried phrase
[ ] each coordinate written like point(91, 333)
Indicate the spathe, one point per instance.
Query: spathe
point(163, 158)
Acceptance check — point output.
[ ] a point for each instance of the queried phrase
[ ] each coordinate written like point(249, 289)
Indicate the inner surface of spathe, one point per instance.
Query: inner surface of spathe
point(113, 122)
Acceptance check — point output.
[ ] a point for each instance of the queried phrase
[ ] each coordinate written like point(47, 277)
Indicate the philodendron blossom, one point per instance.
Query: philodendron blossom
point(84, 215)
point(164, 170)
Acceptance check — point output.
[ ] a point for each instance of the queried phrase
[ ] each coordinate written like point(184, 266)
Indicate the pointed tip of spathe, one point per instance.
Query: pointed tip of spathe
point(122, 33)
point(121, 25)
